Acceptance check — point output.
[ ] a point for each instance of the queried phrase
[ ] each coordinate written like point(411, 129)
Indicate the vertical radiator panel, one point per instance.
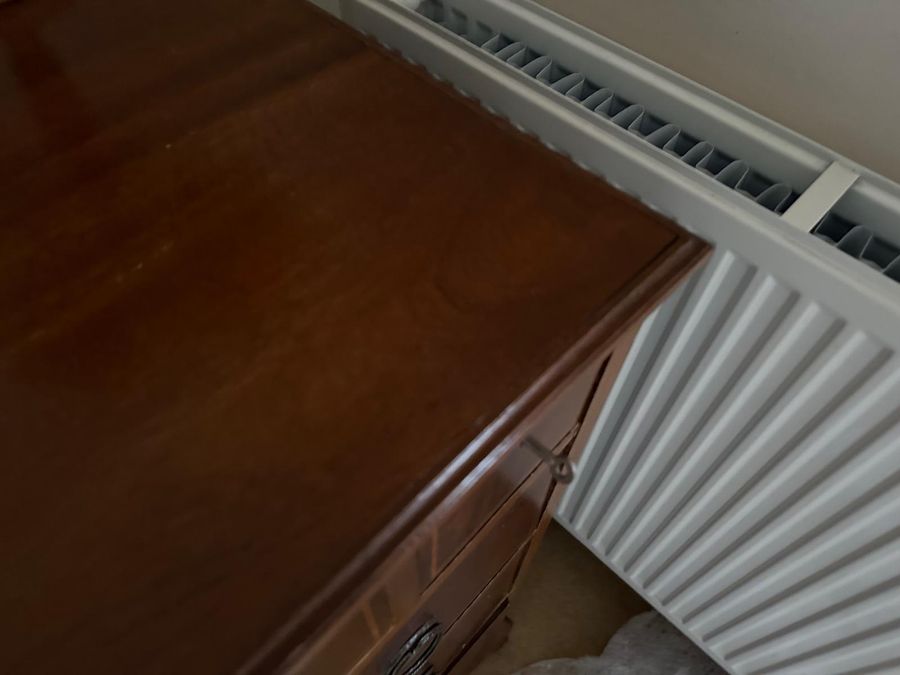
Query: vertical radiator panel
point(744, 475)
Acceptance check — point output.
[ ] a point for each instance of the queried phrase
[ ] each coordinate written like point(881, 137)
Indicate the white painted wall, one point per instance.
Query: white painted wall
point(829, 69)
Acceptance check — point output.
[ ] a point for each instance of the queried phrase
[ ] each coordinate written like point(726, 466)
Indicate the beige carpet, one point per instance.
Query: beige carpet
point(568, 604)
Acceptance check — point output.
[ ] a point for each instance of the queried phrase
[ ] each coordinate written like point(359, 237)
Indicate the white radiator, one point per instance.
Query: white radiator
point(744, 474)
point(745, 477)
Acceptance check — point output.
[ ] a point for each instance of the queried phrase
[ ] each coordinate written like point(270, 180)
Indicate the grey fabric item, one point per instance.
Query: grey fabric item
point(646, 645)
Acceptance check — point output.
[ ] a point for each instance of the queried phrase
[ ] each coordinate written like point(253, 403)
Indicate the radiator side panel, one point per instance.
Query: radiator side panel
point(744, 476)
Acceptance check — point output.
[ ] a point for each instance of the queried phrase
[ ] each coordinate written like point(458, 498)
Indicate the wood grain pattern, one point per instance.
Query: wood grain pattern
point(466, 516)
point(488, 489)
point(395, 588)
point(503, 539)
point(267, 294)
point(459, 636)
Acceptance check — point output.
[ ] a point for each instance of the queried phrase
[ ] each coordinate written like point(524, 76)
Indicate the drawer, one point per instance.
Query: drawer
point(567, 408)
point(495, 553)
point(463, 632)
point(469, 512)
point(395, 592)
point(465, 515)
point(489, 639)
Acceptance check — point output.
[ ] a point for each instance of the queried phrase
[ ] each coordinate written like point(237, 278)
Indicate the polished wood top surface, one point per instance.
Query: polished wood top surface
point(260, 283)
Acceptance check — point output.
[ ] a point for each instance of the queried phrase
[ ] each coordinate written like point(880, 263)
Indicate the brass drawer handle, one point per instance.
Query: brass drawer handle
point(412, 659)
point(560, 467)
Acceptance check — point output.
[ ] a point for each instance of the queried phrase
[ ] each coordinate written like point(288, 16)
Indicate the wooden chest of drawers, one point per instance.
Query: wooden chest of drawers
point(450, 579)
point(295, 343)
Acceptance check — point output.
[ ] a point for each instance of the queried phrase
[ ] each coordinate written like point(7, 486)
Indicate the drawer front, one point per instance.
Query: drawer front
point(551, 428)
point(399, 588)
point(489, 639)
point(365, 640)
point(566, 409)
point(498, 546)
point(466, 628)
point(464, 518)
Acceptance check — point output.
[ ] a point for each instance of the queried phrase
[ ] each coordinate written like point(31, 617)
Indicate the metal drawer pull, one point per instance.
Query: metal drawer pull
point(412, 659)
point(560, 467)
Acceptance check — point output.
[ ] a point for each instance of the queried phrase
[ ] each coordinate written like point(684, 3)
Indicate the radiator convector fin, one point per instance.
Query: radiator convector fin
point(852, 238)
point(756, 506)
point(858, 241)
point(626, 114)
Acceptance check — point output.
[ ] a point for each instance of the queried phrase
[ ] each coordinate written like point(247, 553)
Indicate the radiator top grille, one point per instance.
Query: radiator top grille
point(852, 238)
point(859, 242)
point(630, 115)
